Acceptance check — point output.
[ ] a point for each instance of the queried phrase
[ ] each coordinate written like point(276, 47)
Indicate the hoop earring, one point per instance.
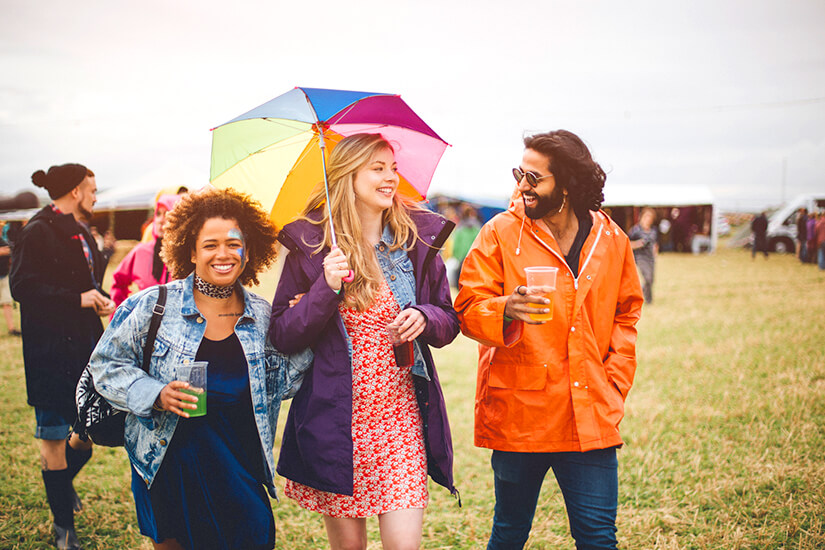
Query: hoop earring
point(563, 200)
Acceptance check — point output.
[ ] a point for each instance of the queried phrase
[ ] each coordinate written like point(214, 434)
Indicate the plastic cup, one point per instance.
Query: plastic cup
point(403, 351)
point(194, 373)
point(541, 281)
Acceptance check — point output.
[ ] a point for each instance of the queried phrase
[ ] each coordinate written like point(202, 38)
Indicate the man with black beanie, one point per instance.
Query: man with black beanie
point(56, 276)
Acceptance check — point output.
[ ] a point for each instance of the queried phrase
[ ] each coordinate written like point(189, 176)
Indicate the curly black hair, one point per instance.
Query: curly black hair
point(572, 166)
point(185, 220)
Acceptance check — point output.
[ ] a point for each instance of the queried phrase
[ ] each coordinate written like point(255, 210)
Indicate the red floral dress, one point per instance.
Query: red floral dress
point(389, 459)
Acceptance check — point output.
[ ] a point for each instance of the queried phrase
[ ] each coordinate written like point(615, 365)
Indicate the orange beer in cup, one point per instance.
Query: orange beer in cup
point(541, 281)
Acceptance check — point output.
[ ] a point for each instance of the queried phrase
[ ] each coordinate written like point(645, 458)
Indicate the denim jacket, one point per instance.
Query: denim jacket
point(397, 269)
point(116, 369)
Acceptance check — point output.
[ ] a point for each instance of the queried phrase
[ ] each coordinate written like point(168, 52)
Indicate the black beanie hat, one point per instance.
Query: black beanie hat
point(60, 179)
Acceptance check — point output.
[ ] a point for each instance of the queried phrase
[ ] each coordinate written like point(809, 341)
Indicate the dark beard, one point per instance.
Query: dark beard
point(85, 214)
point(544, 204)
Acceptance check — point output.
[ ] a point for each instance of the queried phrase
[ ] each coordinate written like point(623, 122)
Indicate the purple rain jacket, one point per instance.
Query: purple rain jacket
point(317, 443)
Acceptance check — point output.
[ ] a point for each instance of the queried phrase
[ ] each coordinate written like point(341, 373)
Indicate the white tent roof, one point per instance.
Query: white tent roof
point(140, 193)
point(656, 195)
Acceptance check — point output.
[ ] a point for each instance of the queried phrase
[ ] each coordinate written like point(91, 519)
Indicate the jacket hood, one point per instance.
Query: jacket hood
point(516, 208)
point(433, 229)
point(168, 201)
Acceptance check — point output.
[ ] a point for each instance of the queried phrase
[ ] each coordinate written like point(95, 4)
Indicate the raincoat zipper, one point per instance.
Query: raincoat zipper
point(586, 261)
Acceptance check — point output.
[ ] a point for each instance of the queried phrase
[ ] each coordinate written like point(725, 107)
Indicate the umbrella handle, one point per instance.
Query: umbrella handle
point(350, 274)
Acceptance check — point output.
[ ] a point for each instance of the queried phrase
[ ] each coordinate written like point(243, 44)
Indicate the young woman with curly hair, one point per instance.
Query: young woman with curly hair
point(199, 481)
point(365, 429)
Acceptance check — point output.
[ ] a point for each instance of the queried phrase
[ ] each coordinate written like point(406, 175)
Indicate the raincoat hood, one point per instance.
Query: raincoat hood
point(516, 207)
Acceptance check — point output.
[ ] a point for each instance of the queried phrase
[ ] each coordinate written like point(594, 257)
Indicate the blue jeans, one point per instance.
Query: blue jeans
point(588, 481)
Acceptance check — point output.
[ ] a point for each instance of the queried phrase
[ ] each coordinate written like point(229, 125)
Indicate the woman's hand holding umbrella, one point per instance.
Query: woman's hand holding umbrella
point(336, 269)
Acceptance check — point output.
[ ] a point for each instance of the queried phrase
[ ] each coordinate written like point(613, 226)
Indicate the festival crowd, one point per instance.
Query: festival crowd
point(195, 366)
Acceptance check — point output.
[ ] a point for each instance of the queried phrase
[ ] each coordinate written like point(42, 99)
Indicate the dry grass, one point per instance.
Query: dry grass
point(725, 430)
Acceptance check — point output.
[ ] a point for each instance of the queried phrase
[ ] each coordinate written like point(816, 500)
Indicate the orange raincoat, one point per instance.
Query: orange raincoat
point(559, 386)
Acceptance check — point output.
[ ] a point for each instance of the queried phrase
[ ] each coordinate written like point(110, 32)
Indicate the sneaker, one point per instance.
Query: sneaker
point(65, 539)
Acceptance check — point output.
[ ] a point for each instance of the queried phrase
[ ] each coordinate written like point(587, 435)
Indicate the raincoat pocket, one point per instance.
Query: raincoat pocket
point(517, 377)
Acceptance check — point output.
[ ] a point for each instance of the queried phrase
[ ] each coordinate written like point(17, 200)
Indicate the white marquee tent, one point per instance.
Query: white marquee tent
point(663, 196)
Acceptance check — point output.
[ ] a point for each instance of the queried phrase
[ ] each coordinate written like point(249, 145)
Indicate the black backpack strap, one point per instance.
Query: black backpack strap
point(157, 317)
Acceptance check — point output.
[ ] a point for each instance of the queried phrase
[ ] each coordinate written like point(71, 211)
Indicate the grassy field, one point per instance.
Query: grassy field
point(725, 430)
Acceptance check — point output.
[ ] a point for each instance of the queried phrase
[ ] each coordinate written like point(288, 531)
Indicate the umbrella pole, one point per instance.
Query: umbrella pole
point(323, 146)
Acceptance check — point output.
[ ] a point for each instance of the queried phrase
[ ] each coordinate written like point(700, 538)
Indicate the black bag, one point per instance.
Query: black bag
point(96, 418)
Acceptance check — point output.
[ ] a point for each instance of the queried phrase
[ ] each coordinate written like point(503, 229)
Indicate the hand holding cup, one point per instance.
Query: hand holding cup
point(533, 303)
point(186, 396)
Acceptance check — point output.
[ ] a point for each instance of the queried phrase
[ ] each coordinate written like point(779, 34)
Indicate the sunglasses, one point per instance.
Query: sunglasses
point(531, 177)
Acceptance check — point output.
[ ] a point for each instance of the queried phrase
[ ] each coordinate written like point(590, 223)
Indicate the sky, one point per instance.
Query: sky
point(726, 94)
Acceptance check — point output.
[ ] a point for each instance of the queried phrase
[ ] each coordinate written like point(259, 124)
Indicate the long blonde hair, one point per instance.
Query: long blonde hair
point(349, 156)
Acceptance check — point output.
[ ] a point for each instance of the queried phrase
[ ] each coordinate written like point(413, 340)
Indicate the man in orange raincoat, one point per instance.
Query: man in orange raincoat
point(550, 394)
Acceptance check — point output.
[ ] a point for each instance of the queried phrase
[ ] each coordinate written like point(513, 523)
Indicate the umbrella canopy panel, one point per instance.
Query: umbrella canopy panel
point(273, 152)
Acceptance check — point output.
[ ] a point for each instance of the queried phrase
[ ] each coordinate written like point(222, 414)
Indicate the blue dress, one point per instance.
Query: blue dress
point(209, 491)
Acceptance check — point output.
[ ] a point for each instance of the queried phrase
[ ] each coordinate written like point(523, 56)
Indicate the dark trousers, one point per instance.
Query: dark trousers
point(760, 244)
point(646, 267)
point(588, 482)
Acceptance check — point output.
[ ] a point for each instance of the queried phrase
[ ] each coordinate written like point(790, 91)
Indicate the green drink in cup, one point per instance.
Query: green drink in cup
point(194, 373)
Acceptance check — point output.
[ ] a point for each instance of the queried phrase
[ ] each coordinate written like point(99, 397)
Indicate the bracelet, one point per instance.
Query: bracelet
point(508, 319)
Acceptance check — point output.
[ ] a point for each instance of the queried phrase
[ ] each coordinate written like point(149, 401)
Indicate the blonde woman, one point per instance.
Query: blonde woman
point(363, 432)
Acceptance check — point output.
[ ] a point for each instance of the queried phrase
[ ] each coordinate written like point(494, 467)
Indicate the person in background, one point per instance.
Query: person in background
point(465, 234)
point(759, 227)
point(802, 234)
point(665, 237)
point(143, 266)
point(819, 233)
point(680, 229)
point(550, 394)
point(643, 241)
point(148, 228)
point(6, 301)
point(56, 276)
point(810, 229)
point(451, 263)
point(201, 482)
point(363, 431)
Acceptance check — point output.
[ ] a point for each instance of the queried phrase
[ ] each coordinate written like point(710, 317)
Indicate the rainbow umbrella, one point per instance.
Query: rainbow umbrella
point(277, 152)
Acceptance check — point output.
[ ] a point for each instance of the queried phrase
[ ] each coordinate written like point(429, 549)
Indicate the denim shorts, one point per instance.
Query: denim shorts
point(52, 424)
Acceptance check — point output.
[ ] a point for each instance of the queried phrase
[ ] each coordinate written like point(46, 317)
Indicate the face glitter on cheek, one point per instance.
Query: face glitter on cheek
point(236, 234)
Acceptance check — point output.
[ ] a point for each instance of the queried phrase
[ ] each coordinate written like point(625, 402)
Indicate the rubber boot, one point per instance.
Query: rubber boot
point(59, 494)
point(75, 461)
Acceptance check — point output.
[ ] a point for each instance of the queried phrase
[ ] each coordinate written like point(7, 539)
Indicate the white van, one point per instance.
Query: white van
point(782, 223)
